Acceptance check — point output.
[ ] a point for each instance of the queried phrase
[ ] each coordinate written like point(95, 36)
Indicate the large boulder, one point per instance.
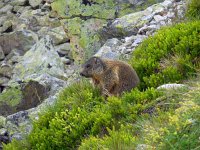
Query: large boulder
point(40, 59)
point(35, 3)
point(130, 24)
point(7, 26)
point(21, 40)
point(18, 2)
point(57, 34)
point(20, 123)
point(109, 49)
point(6, 9)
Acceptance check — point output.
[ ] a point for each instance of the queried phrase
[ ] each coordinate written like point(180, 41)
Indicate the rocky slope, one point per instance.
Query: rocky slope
point(41, 47)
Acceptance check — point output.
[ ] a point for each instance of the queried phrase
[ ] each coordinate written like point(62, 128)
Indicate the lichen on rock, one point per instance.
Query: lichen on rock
point(42, 58)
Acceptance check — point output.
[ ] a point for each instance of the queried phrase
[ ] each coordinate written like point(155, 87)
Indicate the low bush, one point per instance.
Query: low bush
point(171, 55)
point(122, 139)
point(80, 113)
point(193, 9)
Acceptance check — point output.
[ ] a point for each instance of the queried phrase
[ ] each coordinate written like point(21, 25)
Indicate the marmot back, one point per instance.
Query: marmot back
point(112, 76)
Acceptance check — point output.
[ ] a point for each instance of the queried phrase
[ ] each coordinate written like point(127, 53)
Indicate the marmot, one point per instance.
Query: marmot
point(112, 76)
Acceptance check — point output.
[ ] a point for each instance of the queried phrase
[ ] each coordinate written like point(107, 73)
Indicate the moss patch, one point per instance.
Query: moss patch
point(11, 97)
point(9, 101)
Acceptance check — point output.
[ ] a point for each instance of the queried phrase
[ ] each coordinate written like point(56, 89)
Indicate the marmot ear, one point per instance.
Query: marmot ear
point(96, 60)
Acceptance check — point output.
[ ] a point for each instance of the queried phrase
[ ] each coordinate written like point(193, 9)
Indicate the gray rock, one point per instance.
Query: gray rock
point(57, 34)
point(122, 49)
point(7, 25)
point(18, 2)
point(150, 28)
point(46, 7)
point(6, 9)
point(54, 83)
point(138, 40)
point(181, 9)
point(113, 43)
point(171, 86)
point(64, 49)
point(13, 57)
point(162, 23)
point(103, 50)
point(128, 25)
point(66, 61)
point(20, 40)
point(129, 39)
point(33, 94)
point(159, 18)
point(167, 3)
point(127, 50)
point(19, 124)
point(106, 52)
point(109, 49)
point(4, 138)
point(170, 14)
point(6, 70)
point(157, 8)
point(2, 19)
point(35, 3)
point(41, 59)
point(21, 10)
point(17, 9)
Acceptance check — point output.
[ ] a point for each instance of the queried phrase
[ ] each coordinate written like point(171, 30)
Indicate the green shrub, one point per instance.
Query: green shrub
point(170, 55)
point(11, 96)
point(193, 10)
point(83, 112)
point(116, 140)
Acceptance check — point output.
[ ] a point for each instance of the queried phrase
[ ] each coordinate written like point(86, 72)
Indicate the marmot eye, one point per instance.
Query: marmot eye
point(87, 66)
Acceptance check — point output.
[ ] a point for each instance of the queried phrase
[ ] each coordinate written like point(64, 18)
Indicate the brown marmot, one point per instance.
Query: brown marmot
point(112, 76)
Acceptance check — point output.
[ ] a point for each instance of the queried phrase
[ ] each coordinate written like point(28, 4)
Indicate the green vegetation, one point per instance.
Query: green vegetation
point(193, 11)
point(170, 56)
point(11, 97)
point(59, 6)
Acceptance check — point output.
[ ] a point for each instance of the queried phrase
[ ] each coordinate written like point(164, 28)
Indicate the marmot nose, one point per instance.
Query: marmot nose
point(81, 74)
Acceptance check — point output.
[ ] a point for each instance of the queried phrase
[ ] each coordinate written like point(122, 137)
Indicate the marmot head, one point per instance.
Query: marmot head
point(94, 66)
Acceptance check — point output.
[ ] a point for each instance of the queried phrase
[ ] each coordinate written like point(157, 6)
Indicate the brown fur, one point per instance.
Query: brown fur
point(112, 76)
